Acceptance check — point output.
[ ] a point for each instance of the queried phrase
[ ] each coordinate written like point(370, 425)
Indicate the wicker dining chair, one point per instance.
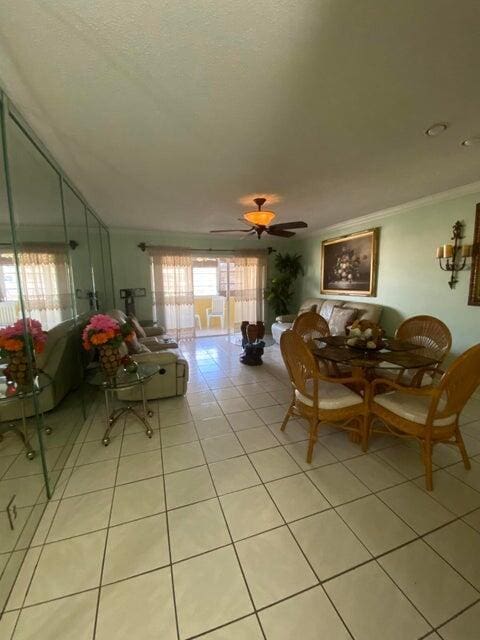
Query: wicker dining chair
point(311, 325)
point(429, 414)
point(319, 398)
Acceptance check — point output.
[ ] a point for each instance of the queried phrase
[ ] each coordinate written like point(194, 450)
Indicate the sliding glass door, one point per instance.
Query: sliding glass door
point(199, 295)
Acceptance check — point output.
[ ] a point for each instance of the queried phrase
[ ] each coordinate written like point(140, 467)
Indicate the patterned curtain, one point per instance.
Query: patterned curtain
point(247, 282)
point(172, 271)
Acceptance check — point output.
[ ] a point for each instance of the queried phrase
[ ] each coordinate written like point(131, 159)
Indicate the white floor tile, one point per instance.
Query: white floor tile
point(186, 487)
point(210, 427)
point(463, 627)
point(136, 547)
point(81, 514)
point(406, 460)
point(19, 591)
point(372, 606)
point(139, 467)
point(140, 442)
point(295, 431)
point(415, 507)
point(52, 619)
point(244, 420)
point(374, 472)
point(210, 591)
point(91, 477)
point(452, 493)
point(272, 414)
point(232, 405)
point(197, 528)
point(376, 525)
point(206, 410)
point(272, 464)
point(182, 456)
point(95, 451)
point(7, 625)
point(59, 572)
point(473, 519)
point(260, 400)
point(233, 475)
point(222, 447)
point(337, 483)
point(470, 476)
point(329, 544)
point(245, 629)
point(141, 607)
point(257, 439)
point(296, 497)
point(137, 500)
point(250, 511)
point(274, 566)
point(433, 587)
point(321, 455)
point(309, 616)
point(178, 434)
point(341, 446)
point(459, 544)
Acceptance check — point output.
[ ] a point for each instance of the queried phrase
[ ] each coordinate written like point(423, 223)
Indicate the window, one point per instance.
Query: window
point(205, 281)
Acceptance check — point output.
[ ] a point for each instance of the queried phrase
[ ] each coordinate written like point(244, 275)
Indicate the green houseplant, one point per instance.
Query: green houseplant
point(281, 288)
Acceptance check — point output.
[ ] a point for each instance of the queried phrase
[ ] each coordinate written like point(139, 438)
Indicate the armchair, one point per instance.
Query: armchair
point(319, 398)
point(429, 414)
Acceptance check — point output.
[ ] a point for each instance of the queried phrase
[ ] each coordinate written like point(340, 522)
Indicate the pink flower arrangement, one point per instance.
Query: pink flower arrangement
point(13, 338)
point(103, 329)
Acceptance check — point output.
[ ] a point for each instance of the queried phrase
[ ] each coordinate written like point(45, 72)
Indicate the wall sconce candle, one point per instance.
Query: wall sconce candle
point(455, 255)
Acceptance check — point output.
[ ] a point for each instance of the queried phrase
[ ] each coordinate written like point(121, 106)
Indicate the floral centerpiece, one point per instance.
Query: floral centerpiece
point(107, 335)
point(363, 334)
point(15, 341)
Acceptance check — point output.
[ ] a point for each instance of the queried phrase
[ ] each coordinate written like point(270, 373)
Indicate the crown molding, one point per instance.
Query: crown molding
point(441, 196)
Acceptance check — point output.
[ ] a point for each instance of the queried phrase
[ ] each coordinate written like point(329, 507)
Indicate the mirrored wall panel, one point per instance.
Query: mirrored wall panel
point(55, 271)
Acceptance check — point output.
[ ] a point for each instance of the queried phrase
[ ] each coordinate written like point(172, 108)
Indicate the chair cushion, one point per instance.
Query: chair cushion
point(413, 408)
point(340, 319)
point(137, 327)
point(134, 346)
point(330, 396)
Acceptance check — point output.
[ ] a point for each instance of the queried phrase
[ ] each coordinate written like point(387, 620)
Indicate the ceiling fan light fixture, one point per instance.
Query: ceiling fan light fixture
point(262, 218)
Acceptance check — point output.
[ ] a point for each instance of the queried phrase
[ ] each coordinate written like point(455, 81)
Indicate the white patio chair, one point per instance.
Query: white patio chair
point(217, 310)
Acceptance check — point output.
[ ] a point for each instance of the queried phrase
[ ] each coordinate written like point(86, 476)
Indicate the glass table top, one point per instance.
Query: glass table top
point(122, 378)
point(10, 390)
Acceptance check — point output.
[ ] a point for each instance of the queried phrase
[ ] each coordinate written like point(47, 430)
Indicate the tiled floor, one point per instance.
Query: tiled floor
point(217, 528)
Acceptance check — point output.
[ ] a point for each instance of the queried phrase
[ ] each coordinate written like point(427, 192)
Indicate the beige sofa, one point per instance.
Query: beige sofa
point(173, 371)
point(324, 307)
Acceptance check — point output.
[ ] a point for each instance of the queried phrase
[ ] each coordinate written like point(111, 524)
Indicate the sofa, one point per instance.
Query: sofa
point(173, 370)
point(325, 307)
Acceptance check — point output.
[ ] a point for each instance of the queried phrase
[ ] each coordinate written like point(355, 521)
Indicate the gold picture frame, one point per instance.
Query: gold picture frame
point(349, 264)
point(474, 291)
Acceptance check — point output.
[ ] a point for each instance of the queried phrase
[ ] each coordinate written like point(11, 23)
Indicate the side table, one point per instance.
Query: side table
point(124, 380)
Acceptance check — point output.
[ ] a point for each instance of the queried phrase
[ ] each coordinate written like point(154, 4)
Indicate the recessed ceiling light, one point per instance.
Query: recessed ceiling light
point(469, 142)
point(436, 129)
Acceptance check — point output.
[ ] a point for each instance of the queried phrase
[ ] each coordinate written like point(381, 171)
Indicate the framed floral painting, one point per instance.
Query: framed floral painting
point(474, 293)
point(349, 264)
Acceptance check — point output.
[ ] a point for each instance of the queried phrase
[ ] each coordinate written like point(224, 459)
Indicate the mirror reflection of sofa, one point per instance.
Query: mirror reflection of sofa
point(172, 378)
point(338, 314)
point(60, 361)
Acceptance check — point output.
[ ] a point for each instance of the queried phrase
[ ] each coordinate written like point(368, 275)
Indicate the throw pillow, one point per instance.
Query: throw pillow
point(306, 308)
point(340, 319)
point(137, 327)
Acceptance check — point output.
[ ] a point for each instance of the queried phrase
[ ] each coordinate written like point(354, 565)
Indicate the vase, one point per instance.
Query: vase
point(261, 330)
point(252, 332)
point(19, 370)
point(110, 359)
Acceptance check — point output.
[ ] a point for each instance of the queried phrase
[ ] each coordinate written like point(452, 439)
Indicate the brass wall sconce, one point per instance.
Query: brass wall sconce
point(455, 254)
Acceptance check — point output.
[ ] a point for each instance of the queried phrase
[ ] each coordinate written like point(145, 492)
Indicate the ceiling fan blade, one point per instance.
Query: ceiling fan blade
point(252, 232)
point(279, 232)
point(289, 225)
point(229, 231)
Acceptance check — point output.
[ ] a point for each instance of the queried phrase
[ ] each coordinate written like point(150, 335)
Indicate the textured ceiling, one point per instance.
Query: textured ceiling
point(165, 113)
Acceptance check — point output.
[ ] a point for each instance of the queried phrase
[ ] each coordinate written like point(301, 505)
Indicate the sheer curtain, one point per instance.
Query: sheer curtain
point(247, 274)
point(45, 282)
point(172, 272)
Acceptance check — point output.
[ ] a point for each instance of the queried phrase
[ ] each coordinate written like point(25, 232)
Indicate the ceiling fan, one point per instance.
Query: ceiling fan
point(259, 222)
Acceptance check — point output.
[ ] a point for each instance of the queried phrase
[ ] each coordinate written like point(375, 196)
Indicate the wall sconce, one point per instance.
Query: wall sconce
point(455, 255)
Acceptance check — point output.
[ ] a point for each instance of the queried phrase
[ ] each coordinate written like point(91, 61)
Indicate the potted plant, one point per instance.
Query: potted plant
point(105, 334)
point(15, 340)
point(281, 288)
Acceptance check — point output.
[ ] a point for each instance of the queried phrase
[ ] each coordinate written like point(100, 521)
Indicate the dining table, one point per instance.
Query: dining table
point(394, 356)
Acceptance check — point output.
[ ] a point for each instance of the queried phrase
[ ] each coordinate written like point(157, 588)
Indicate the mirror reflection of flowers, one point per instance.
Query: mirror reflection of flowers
point(347, 265)
point(15, 337)
point(103, 330)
